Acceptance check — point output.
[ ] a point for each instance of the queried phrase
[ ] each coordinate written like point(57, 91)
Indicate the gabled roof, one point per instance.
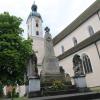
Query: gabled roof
point(94, 8)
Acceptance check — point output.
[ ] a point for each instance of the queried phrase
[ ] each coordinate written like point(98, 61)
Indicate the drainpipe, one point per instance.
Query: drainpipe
point(98, 15)
point(97, 49)
point(95, 42)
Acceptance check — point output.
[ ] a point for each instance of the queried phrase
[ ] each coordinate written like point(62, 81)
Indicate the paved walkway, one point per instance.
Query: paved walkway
point(59, 96)
point(62, 96)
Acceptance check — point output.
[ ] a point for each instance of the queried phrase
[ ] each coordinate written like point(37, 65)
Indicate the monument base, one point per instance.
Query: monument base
point(80, 83)
point(34, 87)
point(49, 78)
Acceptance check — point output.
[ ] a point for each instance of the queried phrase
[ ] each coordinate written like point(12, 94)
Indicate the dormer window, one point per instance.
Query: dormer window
point(74, 41)
point(37, 32)
point(87, 64)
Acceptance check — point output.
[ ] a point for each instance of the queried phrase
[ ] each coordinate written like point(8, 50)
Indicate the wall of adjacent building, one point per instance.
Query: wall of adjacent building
point(92, 79)
point(81, 33)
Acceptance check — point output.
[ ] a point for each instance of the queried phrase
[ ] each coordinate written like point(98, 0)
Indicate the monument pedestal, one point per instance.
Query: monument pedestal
point(80, 83)
point(50, 69)
point(34, 87)
point(52, 77)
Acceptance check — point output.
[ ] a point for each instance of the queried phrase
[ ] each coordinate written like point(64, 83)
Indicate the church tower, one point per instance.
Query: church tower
point(34, 31)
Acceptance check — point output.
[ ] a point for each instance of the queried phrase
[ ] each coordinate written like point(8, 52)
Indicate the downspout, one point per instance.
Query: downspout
point(97, 49)
point(95, 42)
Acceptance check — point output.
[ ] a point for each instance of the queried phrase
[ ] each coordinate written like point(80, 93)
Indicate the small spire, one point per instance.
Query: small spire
point(34, 7)
point(34, 3)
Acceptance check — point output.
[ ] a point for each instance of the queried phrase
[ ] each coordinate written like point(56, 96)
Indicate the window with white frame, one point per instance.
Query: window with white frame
point(87, 63)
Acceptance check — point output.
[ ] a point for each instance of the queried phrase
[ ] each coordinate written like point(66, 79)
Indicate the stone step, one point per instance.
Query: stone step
point(80, 96)
point(75, 96)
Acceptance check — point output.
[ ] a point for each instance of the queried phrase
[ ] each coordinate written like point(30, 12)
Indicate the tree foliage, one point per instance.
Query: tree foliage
point(14, 50)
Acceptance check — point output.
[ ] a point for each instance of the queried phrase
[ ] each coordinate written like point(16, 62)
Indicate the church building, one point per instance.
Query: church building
point(81, 39)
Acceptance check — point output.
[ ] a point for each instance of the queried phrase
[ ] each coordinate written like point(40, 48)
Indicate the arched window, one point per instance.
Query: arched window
point(87, 64)
point(37, 32)
point(62, 49)
point(91, 31)
point(74, 41)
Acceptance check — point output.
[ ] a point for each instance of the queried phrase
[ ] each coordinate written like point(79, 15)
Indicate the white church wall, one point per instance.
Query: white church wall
point(68, 66)
point(92, 79)
point(38, 47)
point(81, 33)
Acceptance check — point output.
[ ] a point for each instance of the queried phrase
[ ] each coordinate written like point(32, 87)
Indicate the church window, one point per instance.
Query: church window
point(87, 64)
point(74, 41)
point(62, 49)
point(91, 31)
point(37, 25)
point(37, 32)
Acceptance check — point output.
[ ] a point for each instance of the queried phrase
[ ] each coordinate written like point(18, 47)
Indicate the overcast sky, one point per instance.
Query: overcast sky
point(56, 14)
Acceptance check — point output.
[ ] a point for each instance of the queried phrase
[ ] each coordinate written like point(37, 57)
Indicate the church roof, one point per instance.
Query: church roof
point(94, 8)
point(36, 14)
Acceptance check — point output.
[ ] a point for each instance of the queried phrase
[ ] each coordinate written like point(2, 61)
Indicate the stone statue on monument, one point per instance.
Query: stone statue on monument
point(51, 71)
point(32, 70)
point(33, 77)
point(77, 66)
point(50, 62)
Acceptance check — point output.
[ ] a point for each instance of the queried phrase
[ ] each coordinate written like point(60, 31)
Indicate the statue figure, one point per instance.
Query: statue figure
point(48, 43)
point(77, 65)
point(32, 70)
point(62, 71)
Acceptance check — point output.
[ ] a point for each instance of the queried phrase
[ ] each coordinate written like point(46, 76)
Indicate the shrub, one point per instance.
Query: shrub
point(57, 85)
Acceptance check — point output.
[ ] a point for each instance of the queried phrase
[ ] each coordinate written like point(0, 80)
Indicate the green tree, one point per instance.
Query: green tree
point(14, 50)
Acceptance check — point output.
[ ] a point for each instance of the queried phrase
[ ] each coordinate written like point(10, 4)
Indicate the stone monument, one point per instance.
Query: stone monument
point(33, 77)
point(50, 70)
point(79, 76)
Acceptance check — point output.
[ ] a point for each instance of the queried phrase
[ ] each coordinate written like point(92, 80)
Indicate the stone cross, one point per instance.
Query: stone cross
point(47, 29)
